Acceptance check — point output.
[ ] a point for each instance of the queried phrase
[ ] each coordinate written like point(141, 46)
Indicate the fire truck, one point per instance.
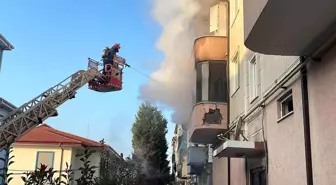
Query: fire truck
point(45, 105)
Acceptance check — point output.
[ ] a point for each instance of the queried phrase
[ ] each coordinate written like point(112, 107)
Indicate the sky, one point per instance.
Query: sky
point(53, 40)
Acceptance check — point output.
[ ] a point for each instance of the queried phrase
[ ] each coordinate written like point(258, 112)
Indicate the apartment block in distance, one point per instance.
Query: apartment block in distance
point(5, 108)
point(209, 114)
point(282, 93)
point(179, 155)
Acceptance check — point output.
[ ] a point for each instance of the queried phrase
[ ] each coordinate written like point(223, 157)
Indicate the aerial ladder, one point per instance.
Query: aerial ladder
point(45, 105)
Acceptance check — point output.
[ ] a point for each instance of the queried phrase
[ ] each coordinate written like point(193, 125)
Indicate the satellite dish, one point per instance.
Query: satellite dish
point(238, 128)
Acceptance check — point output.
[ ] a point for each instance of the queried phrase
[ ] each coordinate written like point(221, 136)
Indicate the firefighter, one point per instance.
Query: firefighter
point(111, 53)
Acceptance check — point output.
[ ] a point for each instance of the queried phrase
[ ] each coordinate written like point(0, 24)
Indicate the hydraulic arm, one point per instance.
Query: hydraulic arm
point(34, 112)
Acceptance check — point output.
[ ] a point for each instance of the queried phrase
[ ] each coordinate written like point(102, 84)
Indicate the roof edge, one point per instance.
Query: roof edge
point(6, 103)
point(6, 42)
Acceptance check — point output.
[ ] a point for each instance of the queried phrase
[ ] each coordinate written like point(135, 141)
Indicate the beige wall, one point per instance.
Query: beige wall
point(236, 46)
point(25, 160)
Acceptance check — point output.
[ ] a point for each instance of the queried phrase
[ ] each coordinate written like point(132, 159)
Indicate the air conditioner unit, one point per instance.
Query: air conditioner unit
point(218, 19)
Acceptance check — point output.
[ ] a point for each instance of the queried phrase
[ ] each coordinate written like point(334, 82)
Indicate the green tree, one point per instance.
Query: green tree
point(150, 145)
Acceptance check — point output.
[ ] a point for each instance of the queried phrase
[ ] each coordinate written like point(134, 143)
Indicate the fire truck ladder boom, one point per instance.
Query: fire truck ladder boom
point(34, 112)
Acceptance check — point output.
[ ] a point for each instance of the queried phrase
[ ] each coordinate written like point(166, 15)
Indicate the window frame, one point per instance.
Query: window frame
point(281, 100)
point(37, 165)
point(253, 79)
point(259, 171)
point(204, 82)
point(235, 83)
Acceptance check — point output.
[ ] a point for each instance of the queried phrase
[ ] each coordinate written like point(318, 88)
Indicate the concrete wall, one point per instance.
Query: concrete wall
point(322, 105)
point(286, 142)
point(220, 171)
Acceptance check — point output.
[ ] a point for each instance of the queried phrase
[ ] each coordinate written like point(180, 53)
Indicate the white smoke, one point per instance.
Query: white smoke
point(182, 21)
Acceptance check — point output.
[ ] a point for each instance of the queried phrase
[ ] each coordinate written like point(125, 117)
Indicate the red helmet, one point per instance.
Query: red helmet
point(117, 45)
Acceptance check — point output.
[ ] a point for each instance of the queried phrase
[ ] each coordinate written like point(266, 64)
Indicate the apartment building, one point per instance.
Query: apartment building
point(4, 45)
point(282, 93)
point(5, 108)
point(264, 95)
point(259, 112)
point(179, 155)
point(210, 111)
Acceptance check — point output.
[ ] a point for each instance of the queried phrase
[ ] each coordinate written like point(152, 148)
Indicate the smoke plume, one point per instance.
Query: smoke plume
point(174, 86)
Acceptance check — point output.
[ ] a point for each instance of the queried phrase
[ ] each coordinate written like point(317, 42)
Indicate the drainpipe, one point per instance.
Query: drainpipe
point(306, 123)
point(61, 162)
point(228, 84)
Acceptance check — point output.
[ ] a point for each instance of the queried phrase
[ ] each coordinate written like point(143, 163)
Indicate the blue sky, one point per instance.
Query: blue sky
point(53, 39)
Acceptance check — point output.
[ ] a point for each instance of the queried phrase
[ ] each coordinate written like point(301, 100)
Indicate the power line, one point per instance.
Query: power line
point(143, 74)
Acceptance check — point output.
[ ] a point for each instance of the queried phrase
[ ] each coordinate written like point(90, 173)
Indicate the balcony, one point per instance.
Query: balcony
point(197, 157)
point(207, 121)
point(240, 149)
point(212, 48)
point(287, 27)
point(191, 171)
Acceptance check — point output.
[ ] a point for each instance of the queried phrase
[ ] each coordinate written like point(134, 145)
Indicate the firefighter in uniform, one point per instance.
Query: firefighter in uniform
point(109, 55)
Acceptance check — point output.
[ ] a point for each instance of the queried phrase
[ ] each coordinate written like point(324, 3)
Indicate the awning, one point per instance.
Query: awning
point(240, 149)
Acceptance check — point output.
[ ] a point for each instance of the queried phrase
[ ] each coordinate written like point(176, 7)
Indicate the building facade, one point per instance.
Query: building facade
point(46, 145)
point(5, 108)
point(210, 111)
point(269, 116)
point(179, 155)
point(279, 116)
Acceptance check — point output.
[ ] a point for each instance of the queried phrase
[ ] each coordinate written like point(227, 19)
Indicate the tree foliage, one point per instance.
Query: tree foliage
point(150, 145)
point(117, 171)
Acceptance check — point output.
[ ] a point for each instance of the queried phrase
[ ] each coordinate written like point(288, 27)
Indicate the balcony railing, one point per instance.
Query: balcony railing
point(207, 121)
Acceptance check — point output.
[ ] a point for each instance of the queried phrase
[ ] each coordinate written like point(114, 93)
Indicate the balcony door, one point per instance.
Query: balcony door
point(258, 176)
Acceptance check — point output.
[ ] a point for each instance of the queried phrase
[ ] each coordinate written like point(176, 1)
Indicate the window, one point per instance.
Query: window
point(236, 74)
point(253, 79)
point(46, 158)
point(258, 176)
point(211, 81)
point(285, 104)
